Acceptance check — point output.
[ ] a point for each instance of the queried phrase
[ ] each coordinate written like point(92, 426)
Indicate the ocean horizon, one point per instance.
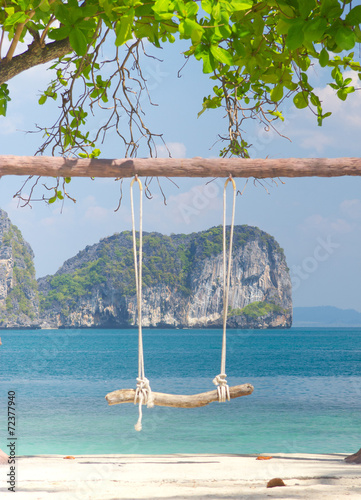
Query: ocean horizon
point(306, 399)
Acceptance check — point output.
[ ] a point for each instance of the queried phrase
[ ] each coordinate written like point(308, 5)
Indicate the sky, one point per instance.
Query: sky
point(316, 221)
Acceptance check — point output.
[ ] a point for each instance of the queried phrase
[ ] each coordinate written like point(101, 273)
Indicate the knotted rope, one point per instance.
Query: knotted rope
point(220, 380)
point(143, 393)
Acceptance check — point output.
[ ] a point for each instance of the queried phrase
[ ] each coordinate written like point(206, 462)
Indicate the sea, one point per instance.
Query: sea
point(306, 399)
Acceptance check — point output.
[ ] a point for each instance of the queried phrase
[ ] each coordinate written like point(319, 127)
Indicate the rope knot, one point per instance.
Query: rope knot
point(222, 387)
point(143, 396)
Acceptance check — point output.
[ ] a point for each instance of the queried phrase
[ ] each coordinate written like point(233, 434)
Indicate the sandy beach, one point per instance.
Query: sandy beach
point(206, 476)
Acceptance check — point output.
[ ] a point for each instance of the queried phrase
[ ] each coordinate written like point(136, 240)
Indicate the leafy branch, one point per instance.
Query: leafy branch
point(258, 54)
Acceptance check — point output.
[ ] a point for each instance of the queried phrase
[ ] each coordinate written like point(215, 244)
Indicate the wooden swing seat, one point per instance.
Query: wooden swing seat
point(178, 400)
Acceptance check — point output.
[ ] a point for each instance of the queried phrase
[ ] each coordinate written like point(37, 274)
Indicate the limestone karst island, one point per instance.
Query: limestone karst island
point(182, 283)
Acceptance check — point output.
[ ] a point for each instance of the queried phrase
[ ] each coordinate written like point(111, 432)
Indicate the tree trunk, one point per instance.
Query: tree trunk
point(36, 55)
point(49, 166)
point(355, 458)
point(178, 400)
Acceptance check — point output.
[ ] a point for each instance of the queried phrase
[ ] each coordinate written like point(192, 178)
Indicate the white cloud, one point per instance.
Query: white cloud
point(341, 226)
point(176, 149)
point(318, 142)
point(351, 209)
point(48, 222)
point(198, 203)
point(11, 124)
point(317, 225)
point(89, 200)
point(336, 137)
point(96, 214)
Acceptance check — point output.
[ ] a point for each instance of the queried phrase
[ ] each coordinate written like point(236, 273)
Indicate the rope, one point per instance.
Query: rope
point(220, 380)
point(143, 393)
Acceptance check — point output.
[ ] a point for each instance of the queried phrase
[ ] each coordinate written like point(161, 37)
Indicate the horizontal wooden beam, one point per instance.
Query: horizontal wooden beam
point(178, 400)
point(49, 166)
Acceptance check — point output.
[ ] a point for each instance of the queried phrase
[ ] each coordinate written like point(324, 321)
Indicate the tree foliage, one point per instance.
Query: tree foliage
point(257, 54)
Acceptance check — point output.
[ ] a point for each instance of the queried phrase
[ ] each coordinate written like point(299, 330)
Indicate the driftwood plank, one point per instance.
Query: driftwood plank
point(178, 400)
point(48, 166)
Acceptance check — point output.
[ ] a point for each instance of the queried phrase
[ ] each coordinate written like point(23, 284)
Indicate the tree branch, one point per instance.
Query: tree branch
point(15, 40)
point(35, 55)
point(18, 31)
point(178, 400)
point(49, 166)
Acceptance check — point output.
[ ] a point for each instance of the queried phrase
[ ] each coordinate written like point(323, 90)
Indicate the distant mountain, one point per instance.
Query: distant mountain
point(325, 316)
point(19, 300)
point(182, 283)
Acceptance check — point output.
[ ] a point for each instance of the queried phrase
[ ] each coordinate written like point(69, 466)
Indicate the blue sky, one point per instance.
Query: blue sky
point(316, 221)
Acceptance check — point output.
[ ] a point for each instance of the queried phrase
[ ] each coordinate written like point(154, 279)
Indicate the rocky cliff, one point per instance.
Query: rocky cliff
point(183, 277)
point(19, 301)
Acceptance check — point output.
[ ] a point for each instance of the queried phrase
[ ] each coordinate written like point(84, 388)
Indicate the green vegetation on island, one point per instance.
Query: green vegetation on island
point(256, 310)
point(167, 261)
point(22, 289)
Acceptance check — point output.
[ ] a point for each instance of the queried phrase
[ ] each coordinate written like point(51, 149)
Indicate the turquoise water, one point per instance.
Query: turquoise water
point(307, 395)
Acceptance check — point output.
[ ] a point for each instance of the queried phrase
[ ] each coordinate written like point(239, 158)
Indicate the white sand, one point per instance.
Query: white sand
point(174, 477)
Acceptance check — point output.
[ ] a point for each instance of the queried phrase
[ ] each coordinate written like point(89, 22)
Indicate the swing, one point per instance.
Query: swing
point(143, 393)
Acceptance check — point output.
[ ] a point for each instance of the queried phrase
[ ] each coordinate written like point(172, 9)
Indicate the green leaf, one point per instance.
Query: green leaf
point(315, 29)
point(4, 98)
point(324, 58)
point(67, 179)
point(44, 6)
point(9, 10)
point(221, 55)
point(343, 93)
point(354, 16)
point(209, 63)
point(42, 99)
point(277, 114)
point(207, 6)
point(161, 6)
point(241, 5)
point(191, 8)
point(345, 38)
point(193, 30)
point(95, 153)
point(282, 27)
point(17, 18)
point(60, 33)
point(270, 76)
point(78, 41)
point(337, 76)
point(306, 6)
point(303, 62)
point(277, 93)
point(216, 11)
point(162, 9)
point(290, 85)
point(315, 100)
point(123, 29)
point(52, 200)
point(300, 100)
point(330, 9)
point(357, 32)
point(295, 36)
